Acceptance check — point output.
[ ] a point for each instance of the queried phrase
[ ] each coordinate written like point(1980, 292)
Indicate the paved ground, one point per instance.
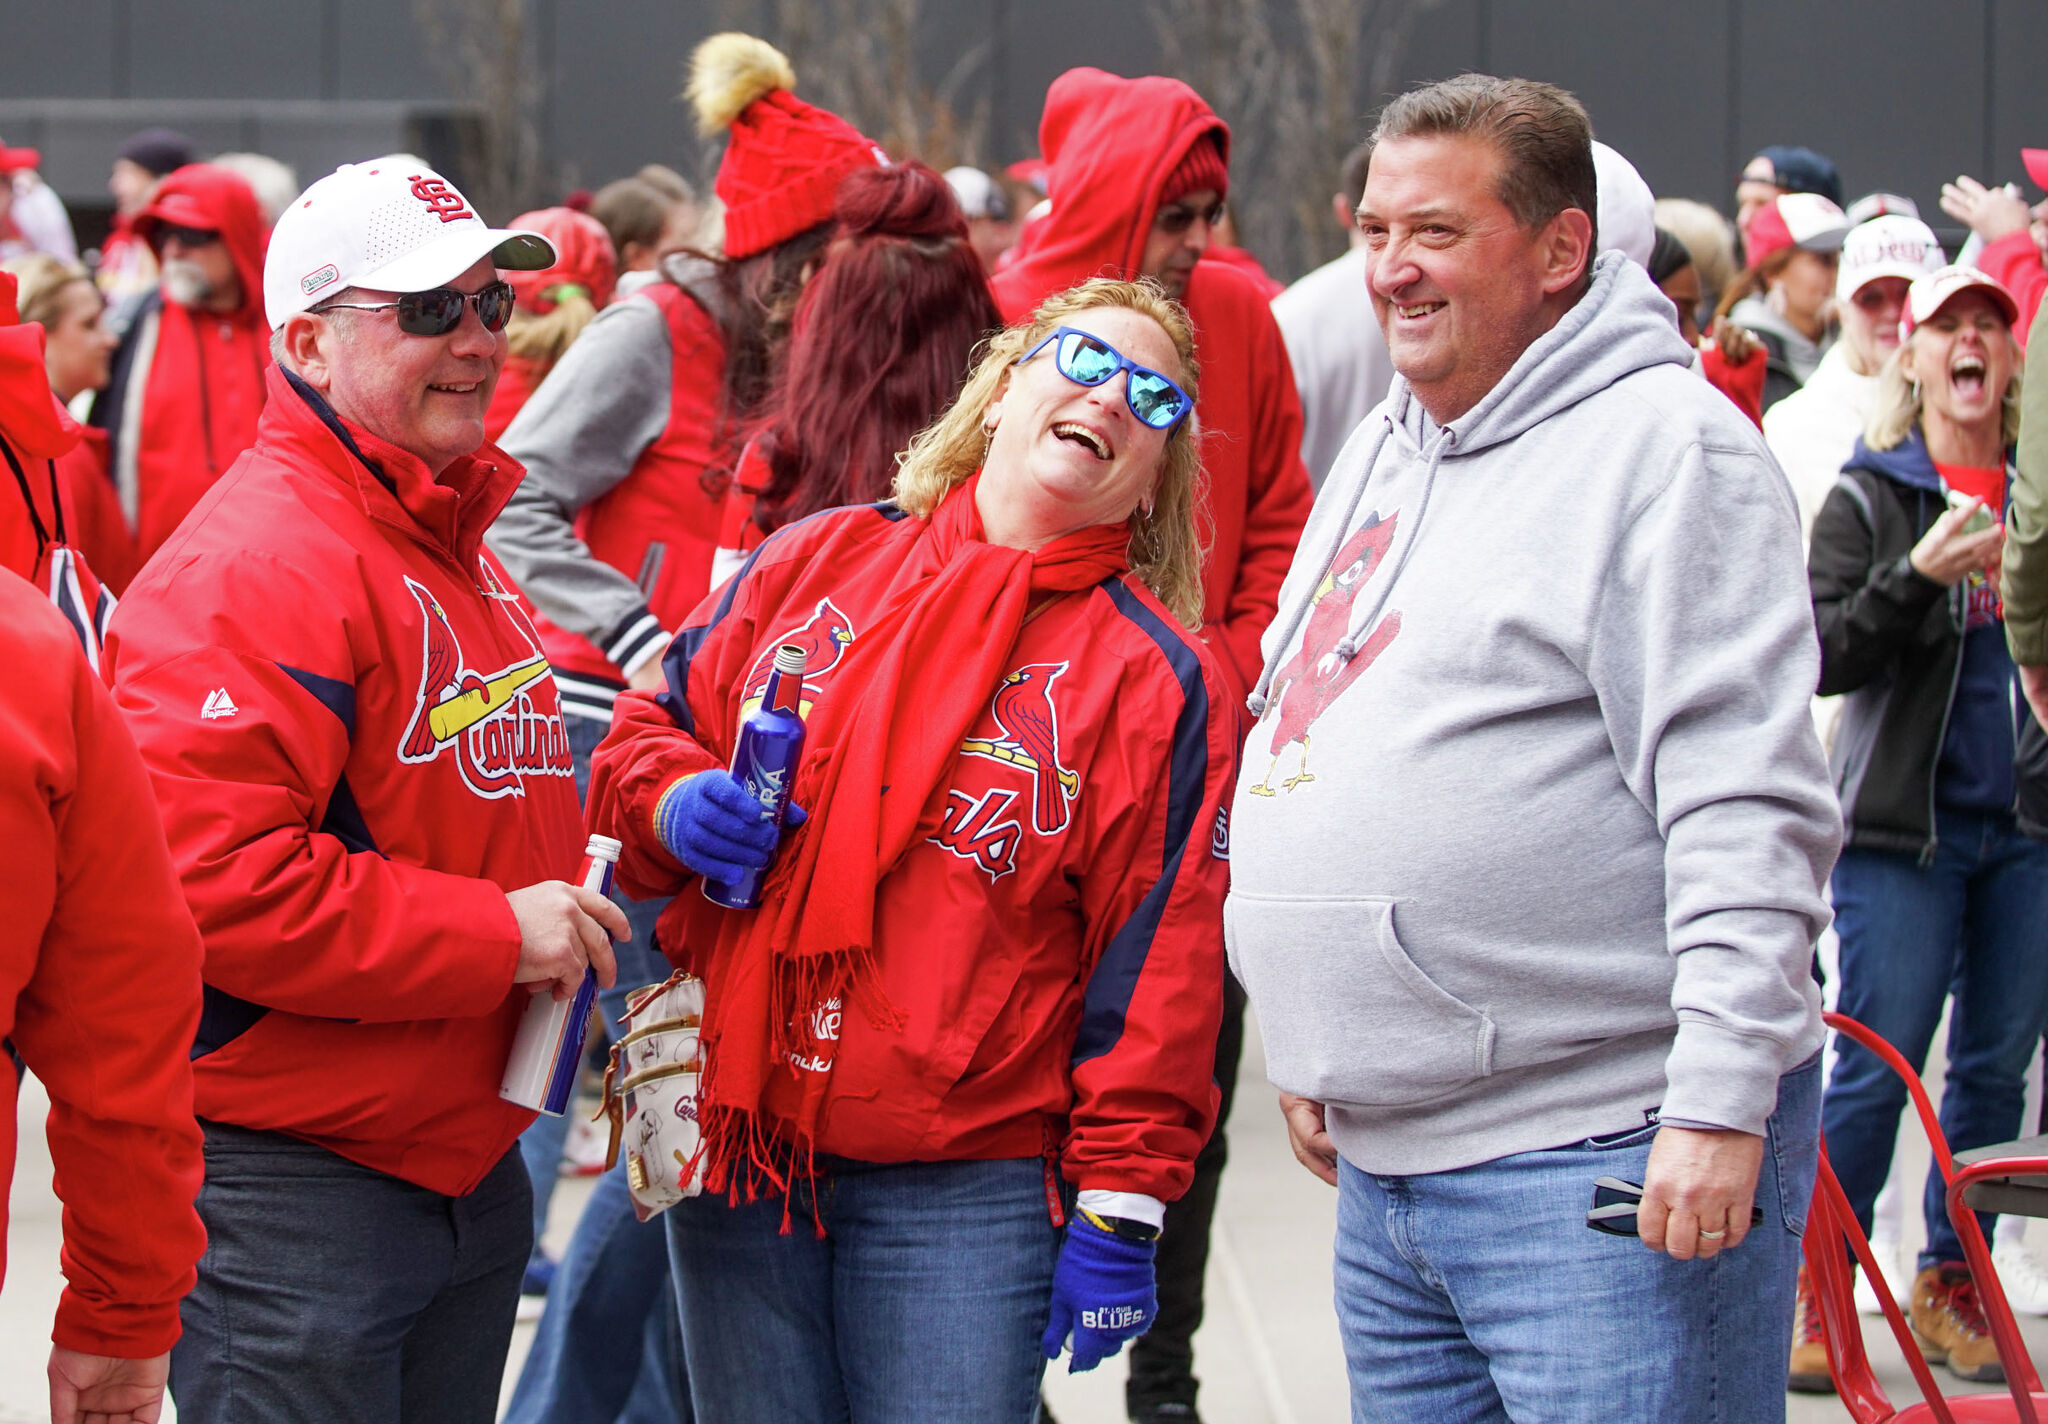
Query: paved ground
point(1268, 1354)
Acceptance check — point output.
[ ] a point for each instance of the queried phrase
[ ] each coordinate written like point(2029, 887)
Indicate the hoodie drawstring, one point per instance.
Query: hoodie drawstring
point(1347, 648)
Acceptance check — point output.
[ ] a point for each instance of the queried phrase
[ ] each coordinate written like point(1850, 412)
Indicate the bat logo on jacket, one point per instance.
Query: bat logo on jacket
point(824, 637)
point(1316, 675)
point(1030, 726)
point(498, 732)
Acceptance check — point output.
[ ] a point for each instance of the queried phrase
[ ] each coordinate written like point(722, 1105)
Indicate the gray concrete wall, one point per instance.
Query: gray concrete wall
point(1902, 93)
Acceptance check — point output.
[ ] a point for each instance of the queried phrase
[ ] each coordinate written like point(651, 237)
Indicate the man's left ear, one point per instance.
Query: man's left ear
point(1568, 250)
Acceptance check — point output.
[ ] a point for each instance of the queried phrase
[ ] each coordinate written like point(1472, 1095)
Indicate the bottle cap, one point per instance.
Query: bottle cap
point(604, 848)
point(789, 658)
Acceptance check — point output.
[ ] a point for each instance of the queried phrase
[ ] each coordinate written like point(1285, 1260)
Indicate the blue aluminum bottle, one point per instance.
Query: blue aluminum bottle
point(764, 760)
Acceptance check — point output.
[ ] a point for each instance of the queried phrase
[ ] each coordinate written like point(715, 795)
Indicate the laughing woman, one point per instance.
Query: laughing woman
point(987, 971)
point(1937, 890)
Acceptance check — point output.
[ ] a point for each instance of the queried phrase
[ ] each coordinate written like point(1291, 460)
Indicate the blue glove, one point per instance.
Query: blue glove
point(710, 824)
point(1103, 1291)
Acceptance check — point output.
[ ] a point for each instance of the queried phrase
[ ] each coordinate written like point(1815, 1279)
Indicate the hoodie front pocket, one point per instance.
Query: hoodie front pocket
point(1346, 1015)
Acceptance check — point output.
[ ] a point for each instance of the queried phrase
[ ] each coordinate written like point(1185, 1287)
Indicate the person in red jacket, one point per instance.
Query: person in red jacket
point(1138, 170)
point(99, 992)
point(554, 305)
point(2015, 234)
point(630, 447)
point(358, 750)
point(990, 958)
point(188, 378)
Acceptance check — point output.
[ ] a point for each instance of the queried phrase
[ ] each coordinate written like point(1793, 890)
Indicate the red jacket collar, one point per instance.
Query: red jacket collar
point(395, 486)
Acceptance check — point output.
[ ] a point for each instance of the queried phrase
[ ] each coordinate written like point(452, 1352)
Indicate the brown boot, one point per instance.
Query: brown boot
point(1810, 1373)
point(1949, 1322)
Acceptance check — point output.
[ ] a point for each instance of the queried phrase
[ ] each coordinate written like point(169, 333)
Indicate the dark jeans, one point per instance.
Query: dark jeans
point(1163, 1358)
point(608, 1346)
point(924, 1302)
point(333, 1294)
point(1974, 923)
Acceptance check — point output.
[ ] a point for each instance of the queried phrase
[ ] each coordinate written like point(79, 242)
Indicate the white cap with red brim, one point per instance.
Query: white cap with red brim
point(389, 225)
point(1929, 294)
point(1891, 246)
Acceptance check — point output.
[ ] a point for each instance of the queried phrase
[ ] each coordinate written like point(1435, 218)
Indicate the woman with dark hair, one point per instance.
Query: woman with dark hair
point(881, 343)
point(962, 1055)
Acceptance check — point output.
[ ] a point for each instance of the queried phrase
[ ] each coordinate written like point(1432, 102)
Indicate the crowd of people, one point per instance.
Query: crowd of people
point(363, 556)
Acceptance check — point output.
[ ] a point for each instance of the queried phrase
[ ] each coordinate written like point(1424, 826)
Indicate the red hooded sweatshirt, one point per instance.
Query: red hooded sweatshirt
point(188, 384)
point(1110, 145)
point(99, 989)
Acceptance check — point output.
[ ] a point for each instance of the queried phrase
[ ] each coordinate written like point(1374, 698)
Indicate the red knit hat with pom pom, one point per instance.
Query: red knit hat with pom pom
point(785, 158)
point(583, 258)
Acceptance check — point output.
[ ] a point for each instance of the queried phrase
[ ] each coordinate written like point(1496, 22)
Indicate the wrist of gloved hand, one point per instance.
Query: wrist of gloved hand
point(710, 823)
point(1103, 1293)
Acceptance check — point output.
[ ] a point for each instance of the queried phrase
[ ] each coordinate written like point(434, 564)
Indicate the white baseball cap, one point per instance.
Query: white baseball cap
point(389, 225)
point(1929, 294)
point(1892, 246)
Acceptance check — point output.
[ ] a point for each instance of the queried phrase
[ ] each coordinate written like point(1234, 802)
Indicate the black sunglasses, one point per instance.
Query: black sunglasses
point(1615, 1203)
point(186, 236)
point(436, 312)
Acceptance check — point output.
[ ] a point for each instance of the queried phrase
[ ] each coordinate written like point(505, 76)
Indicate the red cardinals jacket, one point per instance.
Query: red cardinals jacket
point(358, 749)
point(187, 384)
point(1110, 145)
point(99, 989)
point(2015, 260)
point(1055, 941)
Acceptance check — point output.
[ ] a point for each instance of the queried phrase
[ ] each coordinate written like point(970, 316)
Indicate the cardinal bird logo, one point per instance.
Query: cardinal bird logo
point(824, 637)
point(1316, 676)
point(498, 732)
point(1030, 726)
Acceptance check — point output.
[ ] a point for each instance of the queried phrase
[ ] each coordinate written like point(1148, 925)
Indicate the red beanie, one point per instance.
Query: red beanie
point(785, 158)
point(583, 256)
point(1202, 166)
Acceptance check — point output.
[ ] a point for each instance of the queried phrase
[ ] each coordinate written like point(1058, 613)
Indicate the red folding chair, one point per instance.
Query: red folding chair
point(1831, 1222)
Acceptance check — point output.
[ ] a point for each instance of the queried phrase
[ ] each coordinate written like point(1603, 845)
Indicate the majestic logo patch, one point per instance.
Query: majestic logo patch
point(499, 733)
point(319, 277)
point(441, 200)
point(1316, 676)
point(218, 704)
point(824, 636)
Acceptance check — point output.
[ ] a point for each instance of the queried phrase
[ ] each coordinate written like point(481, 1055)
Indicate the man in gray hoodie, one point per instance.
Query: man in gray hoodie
point(1529, 844)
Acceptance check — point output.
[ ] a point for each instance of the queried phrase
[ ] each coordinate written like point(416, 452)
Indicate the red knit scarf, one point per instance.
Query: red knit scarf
point(878, 755)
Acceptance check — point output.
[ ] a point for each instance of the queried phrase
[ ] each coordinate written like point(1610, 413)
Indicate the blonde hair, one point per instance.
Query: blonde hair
point(1166, 544)
point(1706, 236)
point(41, 280)
point(543, 338)
point(1898, 399)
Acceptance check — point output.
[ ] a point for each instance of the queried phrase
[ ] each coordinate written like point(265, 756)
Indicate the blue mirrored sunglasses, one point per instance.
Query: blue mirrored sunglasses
point(1088, 360)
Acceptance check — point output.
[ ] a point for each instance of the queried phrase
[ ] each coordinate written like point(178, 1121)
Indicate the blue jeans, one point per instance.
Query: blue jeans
point(924, 1301)
point(608, 1346)
point(1973, 923)
point(333, 1294)
point(1481, 1295)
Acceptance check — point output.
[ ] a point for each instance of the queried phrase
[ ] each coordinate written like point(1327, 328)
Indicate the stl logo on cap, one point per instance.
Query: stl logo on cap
point(441, 200)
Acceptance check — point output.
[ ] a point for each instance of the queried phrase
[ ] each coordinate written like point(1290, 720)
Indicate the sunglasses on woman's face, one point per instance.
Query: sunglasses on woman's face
point(436, 312)
point(1088, 360)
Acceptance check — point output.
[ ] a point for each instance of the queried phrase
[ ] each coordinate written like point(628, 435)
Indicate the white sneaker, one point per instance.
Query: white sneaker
point(2025, 1282)
point(1887, 1253)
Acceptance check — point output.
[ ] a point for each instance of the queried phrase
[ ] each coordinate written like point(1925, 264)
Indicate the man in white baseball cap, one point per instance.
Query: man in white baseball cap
point(1813, 430)
point(366, 784)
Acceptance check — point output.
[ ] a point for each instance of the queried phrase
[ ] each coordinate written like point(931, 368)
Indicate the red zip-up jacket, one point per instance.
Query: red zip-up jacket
point(358, 749)
point(1110, 145)
point(1060, 989)
point(2015, 260)
point(99, 990)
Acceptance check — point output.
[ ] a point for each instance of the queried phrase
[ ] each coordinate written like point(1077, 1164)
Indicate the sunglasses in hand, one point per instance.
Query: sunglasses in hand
point(1615, 1203)
point(435, 312)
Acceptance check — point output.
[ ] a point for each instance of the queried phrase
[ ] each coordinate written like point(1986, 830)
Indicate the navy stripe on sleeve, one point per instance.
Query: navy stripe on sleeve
point(1110, 988)
point(332, 693)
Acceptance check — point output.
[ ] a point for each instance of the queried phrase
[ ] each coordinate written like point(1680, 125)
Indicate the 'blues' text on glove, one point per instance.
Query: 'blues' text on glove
point(709, 823)
point(1103, 1293)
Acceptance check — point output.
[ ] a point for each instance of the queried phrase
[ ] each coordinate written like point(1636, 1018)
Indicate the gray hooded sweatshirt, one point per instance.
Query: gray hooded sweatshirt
point(1530, 838)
